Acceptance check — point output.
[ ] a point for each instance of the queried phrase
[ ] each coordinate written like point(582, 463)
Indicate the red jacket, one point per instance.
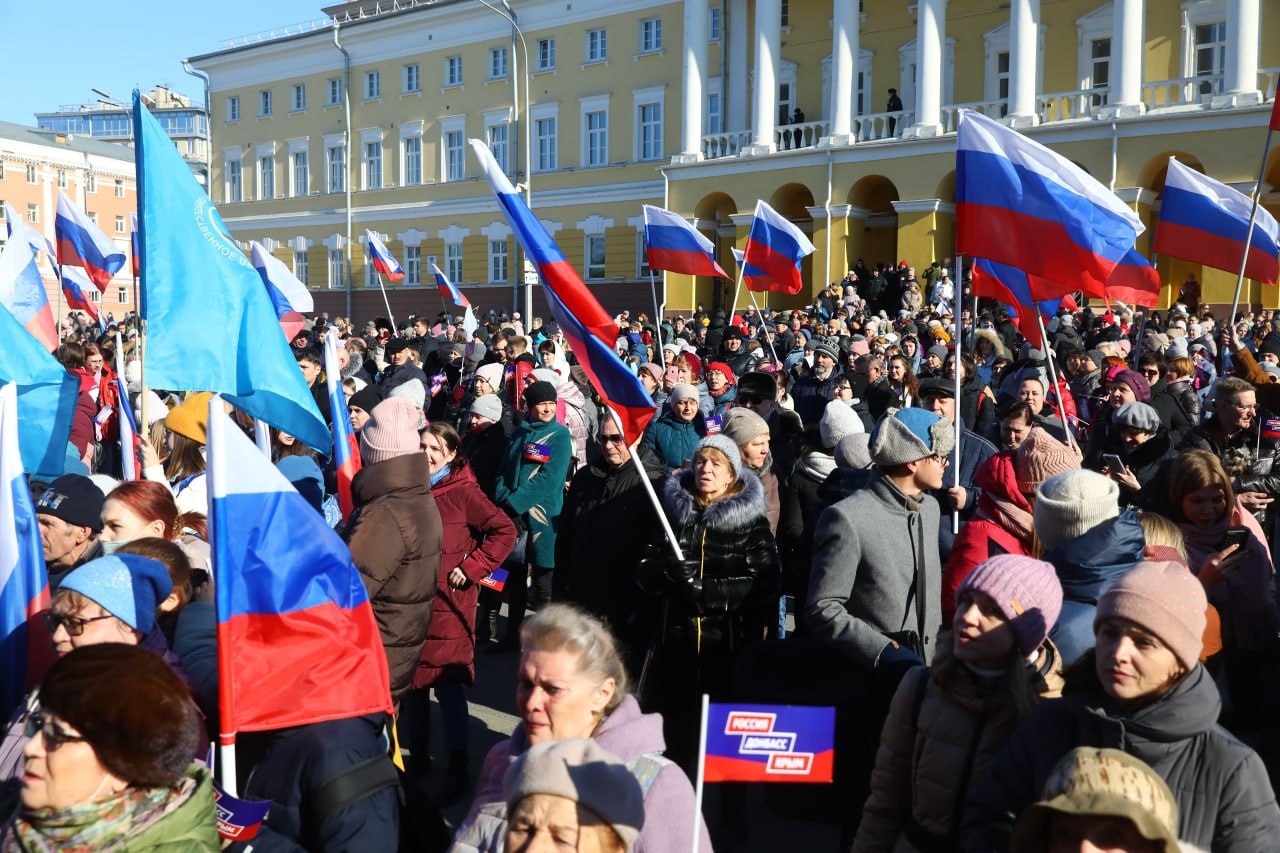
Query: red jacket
point(477, 538)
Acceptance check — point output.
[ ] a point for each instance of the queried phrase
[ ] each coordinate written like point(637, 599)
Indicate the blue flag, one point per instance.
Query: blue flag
point(46, 398)
point(210, 324)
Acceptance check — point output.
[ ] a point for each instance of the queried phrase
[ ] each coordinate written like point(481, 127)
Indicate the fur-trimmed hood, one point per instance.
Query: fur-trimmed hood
point(724, 515)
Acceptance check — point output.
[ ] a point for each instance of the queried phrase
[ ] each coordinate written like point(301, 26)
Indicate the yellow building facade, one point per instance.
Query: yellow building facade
point(705, 106)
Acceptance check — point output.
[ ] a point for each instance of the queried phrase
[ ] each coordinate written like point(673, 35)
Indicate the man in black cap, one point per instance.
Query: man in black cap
point(734, 352)
point(813, 392)
point(938, 395)
point(69, 513)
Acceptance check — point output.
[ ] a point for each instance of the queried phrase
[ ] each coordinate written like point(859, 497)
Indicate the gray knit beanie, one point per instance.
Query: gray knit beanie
point(853, 451)
point(908, 435)
point(743, 426)
point(1070, 504)
point(726, 446)
point(488, 406)
point(838, 420)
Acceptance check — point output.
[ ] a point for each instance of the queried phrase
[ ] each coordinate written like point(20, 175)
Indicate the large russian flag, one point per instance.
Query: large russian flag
point(589, 329)
point(289, 296)
point(448, 289)
point(381, 258)
point(297, 638)
point(24, 586)
point(82, 244)
point(22, 292)
point(775, 247)
point(1205, 221)
point(1018, 290)
point(1134, 281)
point(75, 287)
point(676, 246)
point(1018, 203)
point(346, 449)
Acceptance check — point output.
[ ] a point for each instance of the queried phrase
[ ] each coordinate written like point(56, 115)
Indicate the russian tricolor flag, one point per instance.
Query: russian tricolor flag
point(775, 247)
point(590, 330)
point(1205, 221)
point(75, 287)
point(82, 244)
point(133, 244)
point(346, 448)
point(1018, 290)
point(297, 638)
point(448, 289)
point(676, 246)
point(1023, 205)
point(24, 586)
point(22, 292)
point(1134, 281)
point(289, 296)
point(382, 259)
point(128, 427)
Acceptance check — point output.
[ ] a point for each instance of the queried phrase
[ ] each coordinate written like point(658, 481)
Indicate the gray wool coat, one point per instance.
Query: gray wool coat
point(865, 552)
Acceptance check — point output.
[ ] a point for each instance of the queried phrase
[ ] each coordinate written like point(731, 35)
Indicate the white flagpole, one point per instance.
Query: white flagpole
point(736, 289)
point(217, 486)
point(1253, 216)
point(702, 760)
point(957, 299)
point(756, 305)
point(1053, 375)
point(262, 435)
point(385, 301)
point(648, 487)
point(657, 317)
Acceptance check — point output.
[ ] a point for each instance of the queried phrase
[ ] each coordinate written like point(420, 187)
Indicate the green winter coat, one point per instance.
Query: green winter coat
point(535, 490)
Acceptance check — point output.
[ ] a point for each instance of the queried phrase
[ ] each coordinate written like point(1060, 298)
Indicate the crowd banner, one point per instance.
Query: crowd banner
point(210, 325)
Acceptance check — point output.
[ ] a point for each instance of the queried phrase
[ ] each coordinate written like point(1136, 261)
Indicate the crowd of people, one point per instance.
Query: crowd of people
point(1040, 597)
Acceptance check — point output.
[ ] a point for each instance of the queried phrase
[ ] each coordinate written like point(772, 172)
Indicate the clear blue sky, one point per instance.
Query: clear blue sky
point(116, 47)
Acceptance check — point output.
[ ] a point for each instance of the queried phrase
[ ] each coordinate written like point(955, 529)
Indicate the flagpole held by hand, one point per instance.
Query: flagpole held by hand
point(702, 760)
point(1053, 379)
point(1253, 215)
point(959, 370)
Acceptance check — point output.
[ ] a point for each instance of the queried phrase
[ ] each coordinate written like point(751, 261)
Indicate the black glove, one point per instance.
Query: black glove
point(682, 575)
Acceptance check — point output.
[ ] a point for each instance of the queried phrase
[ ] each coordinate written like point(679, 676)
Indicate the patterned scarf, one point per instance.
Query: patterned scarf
point(88, 827)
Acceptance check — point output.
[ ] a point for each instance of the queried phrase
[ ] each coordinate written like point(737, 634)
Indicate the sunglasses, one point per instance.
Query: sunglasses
point(54, 737)
point(611, 439)
point(73, 624)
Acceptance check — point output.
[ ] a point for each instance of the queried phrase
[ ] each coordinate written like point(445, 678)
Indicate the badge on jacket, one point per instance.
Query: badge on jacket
point(495, 580)
point(534, 452)
point(714, 423)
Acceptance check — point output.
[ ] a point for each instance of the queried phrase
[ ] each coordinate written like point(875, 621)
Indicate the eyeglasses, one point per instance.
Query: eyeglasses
point(611, 439)
point(54, 737)
point(1151, 372)
point(73, 624)
point(944, 461)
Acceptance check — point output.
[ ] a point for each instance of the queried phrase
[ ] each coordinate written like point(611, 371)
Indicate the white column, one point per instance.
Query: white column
point(845, 24)
point(1124, 99)
point(765, 104)
point(738, 80)
point(1024, 37)
point(931, 35)
point(1241, 85)
point(695, 80)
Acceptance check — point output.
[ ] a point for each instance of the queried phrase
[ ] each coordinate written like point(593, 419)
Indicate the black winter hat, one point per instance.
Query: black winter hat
point(75, 499)
point(731, 333)
point(366, 398)
point(759, 383)
point(539, 392)
point(394, 346)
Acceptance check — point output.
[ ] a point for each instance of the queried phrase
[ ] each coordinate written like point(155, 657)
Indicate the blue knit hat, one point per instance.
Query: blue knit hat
point(127, 586)
point(907, 435)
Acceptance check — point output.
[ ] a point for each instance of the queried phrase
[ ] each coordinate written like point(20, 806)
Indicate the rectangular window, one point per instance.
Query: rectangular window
point(122, 295)
point(642, 256)
point(120, 227)
point(235, 183)
point(373, 165)
point(453, 262)
point(597, 138)
point(93, 217)
point(597, 45)
point(264, 102)
point(301, 176)
point(545, 132)
point(715, 120)
point(299, 98)
point(453, 71)
point(497, 63)
point(412, 265)
point(595, 257)
point(649, 128)
point(62, 179)
point(412, 80)
point(267, 176)
point(336, 276)
point(786, 13)
point(31, 174)
point(412, 161)
point(1002, 81)
point(546, 54)
point(301, 266)
point(650, 35)
point(335, 91)
point(33, 213)
point(455, 162)
point(498, 270)
point(373, 85)
point(715, 23)
point(499, 139)
point(119, 189)
point(233, 108)
point(335, 169)
point(89, 179)
point(1100, 69)
point(1211, 55)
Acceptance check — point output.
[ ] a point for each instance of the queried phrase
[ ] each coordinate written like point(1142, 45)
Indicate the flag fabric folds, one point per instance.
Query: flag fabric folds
point(1020, 204)
point(76, 288)
point(1275, 113)
point(289, 297)
point(24, 586)
point(210, 323)
point(676, 246)
point(22, 291)
point(1134, 281)
point(46, 397)
point(1205, 221)
point(448, 289)
point(82, 244)
point(297, 639)
point(20, 230)
point(1018, 290)
point(128, 427)
point(590, 330)
point(775, 247)
point(382, 259)
point(133, 244)
point(346, 448)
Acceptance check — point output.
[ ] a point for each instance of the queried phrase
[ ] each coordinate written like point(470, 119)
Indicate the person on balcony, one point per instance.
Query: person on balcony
point(894, 106)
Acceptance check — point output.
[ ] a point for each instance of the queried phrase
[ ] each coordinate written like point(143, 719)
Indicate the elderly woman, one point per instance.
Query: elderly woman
point(1144, 446)
point(1142, 690)
point(1125, 386)
point(572, 684)
point(108, 760)
point(676, 432)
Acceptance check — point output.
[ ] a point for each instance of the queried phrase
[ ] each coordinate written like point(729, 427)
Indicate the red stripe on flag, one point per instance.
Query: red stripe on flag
point(1006, 236)
point(1222, 253)
point(1275, 113)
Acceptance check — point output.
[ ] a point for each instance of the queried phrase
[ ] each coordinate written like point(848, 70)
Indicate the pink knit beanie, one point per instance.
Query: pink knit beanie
point(391, 431)
point(1027, 592)
point(1163, 598)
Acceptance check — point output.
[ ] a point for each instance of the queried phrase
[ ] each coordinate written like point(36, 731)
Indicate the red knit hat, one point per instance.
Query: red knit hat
point(723, 368)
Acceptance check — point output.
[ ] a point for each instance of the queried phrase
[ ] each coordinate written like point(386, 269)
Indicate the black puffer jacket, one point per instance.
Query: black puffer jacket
point(1225, 801)
point(723, 592)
